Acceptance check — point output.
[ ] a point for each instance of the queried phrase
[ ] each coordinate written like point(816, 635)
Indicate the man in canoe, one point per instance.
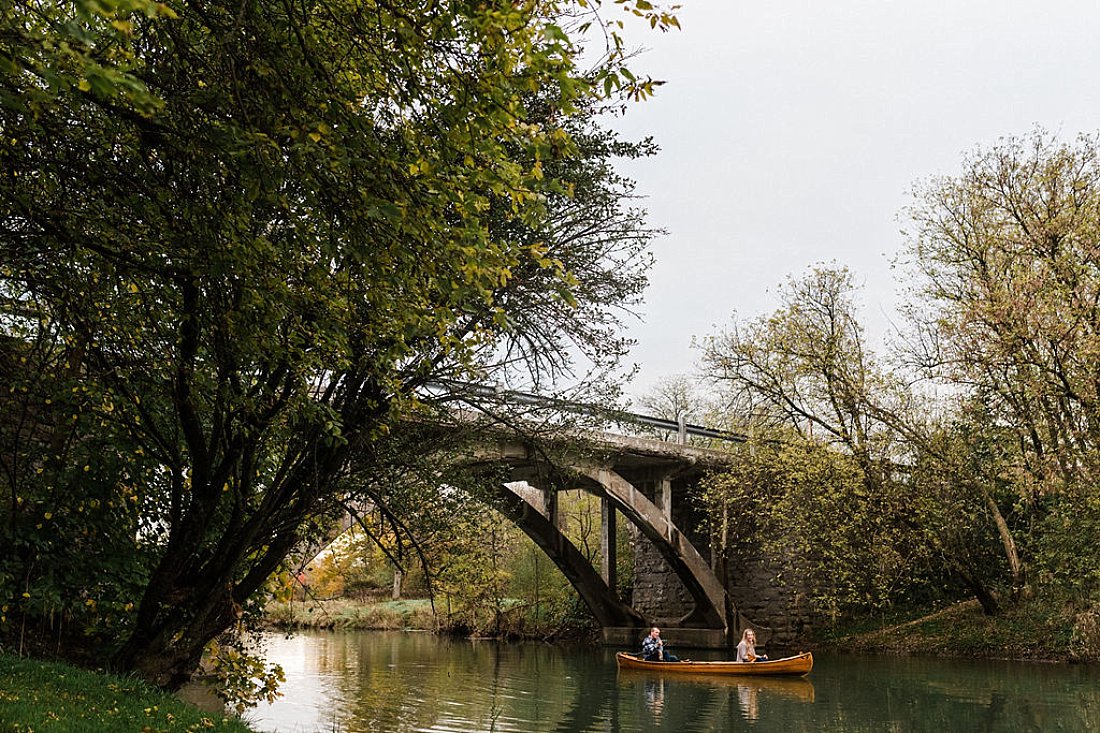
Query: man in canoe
point(653, 648)
point(746, 648)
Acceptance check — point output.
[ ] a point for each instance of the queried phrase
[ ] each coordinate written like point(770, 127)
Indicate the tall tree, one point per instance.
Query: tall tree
point(806, 368)
point(232, 263)
point(1008, 262)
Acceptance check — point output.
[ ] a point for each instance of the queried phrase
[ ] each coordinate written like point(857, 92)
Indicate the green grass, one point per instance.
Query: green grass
point(353, 615)
point(48, 697)
point(516, 619)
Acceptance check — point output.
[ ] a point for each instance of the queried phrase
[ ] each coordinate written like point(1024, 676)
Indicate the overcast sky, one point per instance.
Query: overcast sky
point(791, 132)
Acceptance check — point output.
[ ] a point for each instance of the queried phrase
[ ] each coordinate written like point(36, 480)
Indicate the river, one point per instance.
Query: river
point(396, 682)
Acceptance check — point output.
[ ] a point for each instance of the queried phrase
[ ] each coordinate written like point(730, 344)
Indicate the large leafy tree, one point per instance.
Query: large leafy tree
point(804, 374)
point(1008, 262)
point(1007, 251)
point(805, 507)
point(925, 477)
point(237, 240)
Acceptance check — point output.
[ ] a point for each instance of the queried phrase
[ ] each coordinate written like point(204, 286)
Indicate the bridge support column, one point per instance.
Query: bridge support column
point(550, 502)
point(664, 496)
point(608, 549)
point(515, 502)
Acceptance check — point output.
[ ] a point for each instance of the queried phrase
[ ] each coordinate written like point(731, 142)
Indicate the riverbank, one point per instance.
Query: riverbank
point(515, 621)
point(41, 696)
point(350, 615)
point(1033, 630)
point(50, 696)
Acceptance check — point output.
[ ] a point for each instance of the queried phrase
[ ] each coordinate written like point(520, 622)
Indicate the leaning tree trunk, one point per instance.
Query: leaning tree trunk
point(989, 603)
point(182, 613)
point(1008, 543)
point(167, 654)
point(209, 571)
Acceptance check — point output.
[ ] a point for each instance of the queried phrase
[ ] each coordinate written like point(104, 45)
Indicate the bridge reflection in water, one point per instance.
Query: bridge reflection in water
point(370, 682)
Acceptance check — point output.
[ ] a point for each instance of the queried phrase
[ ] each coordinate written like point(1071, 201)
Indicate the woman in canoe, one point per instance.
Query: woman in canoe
point(746, 648)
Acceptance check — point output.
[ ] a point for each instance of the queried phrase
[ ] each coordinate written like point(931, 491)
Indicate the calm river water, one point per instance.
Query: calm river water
point(381, 682)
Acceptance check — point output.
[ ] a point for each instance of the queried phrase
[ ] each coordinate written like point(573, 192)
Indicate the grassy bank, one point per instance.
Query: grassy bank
point(1038, 629)
point(340, 613)
point(514, 621)
point(47, 697)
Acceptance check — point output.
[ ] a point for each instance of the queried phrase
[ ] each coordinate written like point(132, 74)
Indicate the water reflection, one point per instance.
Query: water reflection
point(392, 682)
point(655, 697)
point(749, 690)
point(750, 706)
point(693, 702)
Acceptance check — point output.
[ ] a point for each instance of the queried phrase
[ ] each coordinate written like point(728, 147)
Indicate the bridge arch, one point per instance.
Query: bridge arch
point(597, 591)
point(607, 477)
point(693, 571)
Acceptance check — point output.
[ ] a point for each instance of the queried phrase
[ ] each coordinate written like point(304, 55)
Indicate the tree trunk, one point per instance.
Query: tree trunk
point(182, 612)
point(398, 576)
point(1015, 566)
point(990, 605)
point(170, 654)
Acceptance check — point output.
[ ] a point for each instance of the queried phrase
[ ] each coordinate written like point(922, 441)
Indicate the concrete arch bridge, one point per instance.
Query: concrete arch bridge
point(649, 483)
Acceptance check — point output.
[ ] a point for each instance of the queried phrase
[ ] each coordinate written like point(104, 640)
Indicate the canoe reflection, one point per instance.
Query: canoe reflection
point(693, 699)
point(797, 688)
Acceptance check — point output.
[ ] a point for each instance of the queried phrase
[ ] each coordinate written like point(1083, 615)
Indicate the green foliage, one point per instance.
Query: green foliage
point(248, 235)
point(516, 593)
point(806, 367)
point(505, 585)
point(339, 613)
point(474, 583)
point(484, 576)
point(1006, 251)
point(988, 470)
point(76, 47)
point(74, 510)
point(243, 679)
point(1084, 640)
point(935, 471)
point(1064, 546)
point(808, 508)
point(1006, 254)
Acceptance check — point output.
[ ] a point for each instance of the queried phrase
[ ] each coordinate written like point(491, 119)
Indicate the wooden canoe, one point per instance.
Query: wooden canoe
point(800, 664)
point(797, 687)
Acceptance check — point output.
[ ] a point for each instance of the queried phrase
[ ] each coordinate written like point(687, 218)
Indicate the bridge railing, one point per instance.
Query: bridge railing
point(679, 427)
